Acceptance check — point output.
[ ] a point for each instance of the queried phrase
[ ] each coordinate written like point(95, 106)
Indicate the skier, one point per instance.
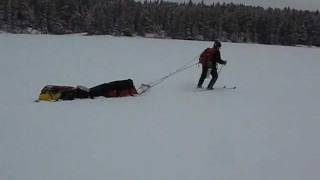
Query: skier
point(209, 59)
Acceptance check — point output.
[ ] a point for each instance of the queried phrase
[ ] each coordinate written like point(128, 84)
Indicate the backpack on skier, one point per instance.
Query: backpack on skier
point(206, 57)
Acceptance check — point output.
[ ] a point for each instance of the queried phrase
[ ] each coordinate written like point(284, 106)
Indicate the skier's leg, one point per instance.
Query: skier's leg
point(203, 76)
point(214, 78)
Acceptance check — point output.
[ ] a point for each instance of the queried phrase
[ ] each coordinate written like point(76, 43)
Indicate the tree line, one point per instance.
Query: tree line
point(193, 21)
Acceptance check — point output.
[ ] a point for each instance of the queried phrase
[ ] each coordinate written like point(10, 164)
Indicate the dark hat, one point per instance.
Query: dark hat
point(217, 43)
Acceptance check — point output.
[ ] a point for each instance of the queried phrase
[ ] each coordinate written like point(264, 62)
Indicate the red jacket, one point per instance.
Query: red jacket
point(210, 57)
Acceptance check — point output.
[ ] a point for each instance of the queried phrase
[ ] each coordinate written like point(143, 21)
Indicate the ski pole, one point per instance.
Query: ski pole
point(220, 69)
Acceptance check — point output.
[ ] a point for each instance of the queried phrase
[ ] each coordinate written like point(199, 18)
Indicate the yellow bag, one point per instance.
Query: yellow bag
point(52, 92)
point(49, 96)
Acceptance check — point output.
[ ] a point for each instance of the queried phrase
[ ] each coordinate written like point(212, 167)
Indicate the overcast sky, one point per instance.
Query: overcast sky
point(297, 4)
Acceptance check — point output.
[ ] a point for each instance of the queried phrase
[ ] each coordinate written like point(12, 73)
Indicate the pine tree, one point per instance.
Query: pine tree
point(227, 22)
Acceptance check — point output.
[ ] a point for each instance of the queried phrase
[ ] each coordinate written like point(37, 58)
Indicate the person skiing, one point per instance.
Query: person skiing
point(209, 59)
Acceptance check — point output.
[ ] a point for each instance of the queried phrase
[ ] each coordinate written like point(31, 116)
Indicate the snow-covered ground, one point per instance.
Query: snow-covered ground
point(266, 129)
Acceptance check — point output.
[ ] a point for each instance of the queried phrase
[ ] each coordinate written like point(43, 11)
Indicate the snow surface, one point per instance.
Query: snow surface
point(266, 129)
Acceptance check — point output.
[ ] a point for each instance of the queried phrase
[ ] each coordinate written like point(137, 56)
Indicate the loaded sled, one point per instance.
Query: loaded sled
point(119, 88)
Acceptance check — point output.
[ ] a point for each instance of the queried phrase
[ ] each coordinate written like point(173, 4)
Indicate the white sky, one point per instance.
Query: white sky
point(298, 4)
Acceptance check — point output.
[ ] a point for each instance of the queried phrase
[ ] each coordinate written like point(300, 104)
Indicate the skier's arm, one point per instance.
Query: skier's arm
point(219, 60)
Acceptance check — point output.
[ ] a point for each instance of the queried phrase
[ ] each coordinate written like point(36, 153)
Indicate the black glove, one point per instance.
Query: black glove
point(225, 62)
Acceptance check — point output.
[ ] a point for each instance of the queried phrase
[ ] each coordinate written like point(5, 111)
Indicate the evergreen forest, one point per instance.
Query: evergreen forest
point(163, 19)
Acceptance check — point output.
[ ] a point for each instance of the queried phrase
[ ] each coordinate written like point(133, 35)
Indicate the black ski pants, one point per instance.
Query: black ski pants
point(214, 77)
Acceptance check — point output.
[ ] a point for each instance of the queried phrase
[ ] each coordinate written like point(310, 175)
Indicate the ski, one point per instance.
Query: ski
point(220, 88)
point(225, 87)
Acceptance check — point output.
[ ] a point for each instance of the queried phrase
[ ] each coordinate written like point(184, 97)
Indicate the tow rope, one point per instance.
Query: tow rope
point(145, 87)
